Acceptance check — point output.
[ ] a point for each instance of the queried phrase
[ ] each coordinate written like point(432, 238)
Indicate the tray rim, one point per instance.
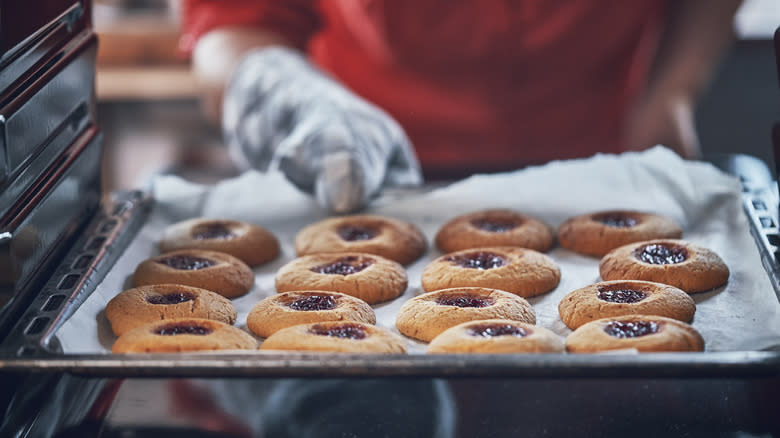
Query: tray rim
point(742, 364)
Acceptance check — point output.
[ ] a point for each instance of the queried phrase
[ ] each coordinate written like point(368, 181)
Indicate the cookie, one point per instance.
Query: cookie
point(336, 336)
point(494, 228)
point(678, 263)
point(425, 316)
point(146, 304)
point(183, 334)
point(496, 336)
point(390, 238)
point(252, 244)
point(302, 307)
point(598, 233)
point(644, 333)
point(625, 297)
point(215, 271)
point(370, 277)
point(521, 271)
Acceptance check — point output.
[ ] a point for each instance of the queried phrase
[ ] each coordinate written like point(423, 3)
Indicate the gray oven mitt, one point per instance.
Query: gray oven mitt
point(282, 113)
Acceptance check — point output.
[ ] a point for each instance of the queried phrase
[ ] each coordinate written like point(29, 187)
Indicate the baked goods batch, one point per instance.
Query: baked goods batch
point(473, 297)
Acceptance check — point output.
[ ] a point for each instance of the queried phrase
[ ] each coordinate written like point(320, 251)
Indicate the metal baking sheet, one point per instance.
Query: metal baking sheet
point(739, 321)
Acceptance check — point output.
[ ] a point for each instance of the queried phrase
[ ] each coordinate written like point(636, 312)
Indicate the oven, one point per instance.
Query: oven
point(61, 238)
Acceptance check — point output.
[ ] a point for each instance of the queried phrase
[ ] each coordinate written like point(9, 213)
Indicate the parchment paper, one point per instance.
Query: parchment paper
point(741, 316)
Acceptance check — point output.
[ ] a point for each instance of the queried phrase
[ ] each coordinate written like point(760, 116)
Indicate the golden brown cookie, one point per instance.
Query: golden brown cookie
point(336, 336)
point(521, 271)
point(678, 263)
point(370, 277)
point(302, 307)
point(496, 336)
point(183, 334)
point(425, 316)
point(644, 333)
point(145, 304)
point(390, 238)
point(599, 233)
point(625, 297)
point(215, 271)
point(494, 228)
point(253, 244)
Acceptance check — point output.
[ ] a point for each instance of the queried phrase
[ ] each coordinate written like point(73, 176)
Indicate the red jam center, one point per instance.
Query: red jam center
point(344, 266)
point(493, 330)
point(352, 233)
point(463, 301)
point(172, 298)
point(659, 254)
point(344, 331)
point(187, 263)
point(621, 295)
point(617, 220)
point(494, 225)
point(631, 329)
point(477, 260)
point(212, 230)
point(313, 302)
point(182, 329)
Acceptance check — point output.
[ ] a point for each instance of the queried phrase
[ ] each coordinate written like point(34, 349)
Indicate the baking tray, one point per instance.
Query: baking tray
point(33, 347)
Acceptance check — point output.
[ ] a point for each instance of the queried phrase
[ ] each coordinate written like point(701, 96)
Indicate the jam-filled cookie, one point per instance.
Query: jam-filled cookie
point(425, 316)
point(153, 303)
point(211, 270)
point(336, 336)
point(370, 277)
point(496, 336)
point(183, 334)
point(521, 271)
point(598, 233)
point(253, 244)
point(302, 307)
point(682, 264)
point(494, 228)
point(390, 238)
point(644, 333)
point(625, 297)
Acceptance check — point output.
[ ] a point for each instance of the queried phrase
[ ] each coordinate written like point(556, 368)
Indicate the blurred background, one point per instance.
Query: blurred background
point(148, 100)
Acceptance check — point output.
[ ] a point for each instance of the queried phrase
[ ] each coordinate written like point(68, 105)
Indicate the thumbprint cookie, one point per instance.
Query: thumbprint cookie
point(678, 263)
point(153, 303)
point(625, 297)
point(369, 277)
point(252, 244)
point(390, 238)
point(494, 228)
point(336, 336)
point(183, 334)
point(596, 234)
point(211, 270)
point(645, 333)
point(521, 271)
point(496, 336)
point(425, 316)
point(302, 307)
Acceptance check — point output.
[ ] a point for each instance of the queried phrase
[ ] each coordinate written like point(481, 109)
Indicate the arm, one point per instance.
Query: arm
point(216, 55)
point(218, 33)
point(696, 34)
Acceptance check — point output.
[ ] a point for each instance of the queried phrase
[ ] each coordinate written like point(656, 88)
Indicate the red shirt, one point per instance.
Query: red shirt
point(477, 84)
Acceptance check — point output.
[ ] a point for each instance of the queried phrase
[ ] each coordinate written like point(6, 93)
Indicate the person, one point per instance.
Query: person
point(333, 93)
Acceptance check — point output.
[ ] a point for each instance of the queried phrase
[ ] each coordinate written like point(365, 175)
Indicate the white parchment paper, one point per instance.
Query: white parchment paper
point(741, 316)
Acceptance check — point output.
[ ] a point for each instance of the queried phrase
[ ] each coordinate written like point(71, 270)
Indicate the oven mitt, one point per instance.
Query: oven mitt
point(282, 113)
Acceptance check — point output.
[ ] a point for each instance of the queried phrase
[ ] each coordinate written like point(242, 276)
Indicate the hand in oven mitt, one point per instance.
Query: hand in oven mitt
point(282, 113)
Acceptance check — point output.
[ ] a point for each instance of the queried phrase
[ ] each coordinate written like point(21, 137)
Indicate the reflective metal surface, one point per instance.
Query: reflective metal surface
point(46, 220)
